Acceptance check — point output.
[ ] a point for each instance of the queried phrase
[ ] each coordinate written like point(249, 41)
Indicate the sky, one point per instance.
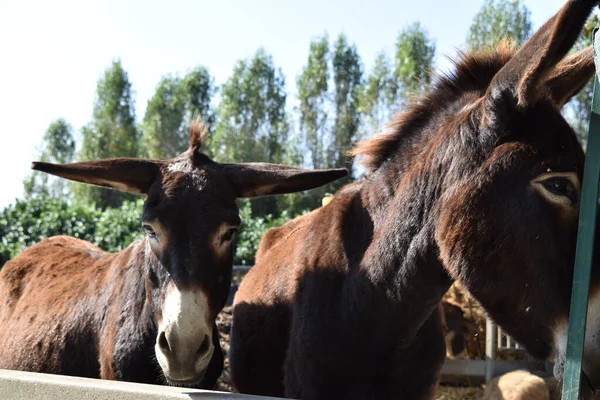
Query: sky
point(53, 52)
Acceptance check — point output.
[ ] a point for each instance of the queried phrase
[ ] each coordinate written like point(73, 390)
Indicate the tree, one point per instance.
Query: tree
point(111, 133)
point(251, 118)
point(329, 91)
point(413, 65)
point(498, 19)
point(58, 146)
point(347, 82)
point(163, 131)
point(175, 104)
point(391, 87)
point(376, 98)
point(251, 122)
point(313, 87)
point(198, 89)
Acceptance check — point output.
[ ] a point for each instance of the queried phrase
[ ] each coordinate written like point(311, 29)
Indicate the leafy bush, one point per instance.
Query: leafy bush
point(252, 230)
point(117, 228)
point(29, 221)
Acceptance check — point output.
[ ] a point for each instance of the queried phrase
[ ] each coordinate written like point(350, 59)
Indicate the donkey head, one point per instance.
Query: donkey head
point(508, 214)
point(190, 217)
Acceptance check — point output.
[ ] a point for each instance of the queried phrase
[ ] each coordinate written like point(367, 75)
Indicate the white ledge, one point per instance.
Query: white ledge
point(19, 385)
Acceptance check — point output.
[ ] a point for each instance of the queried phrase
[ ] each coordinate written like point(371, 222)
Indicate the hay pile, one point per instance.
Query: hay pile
point(458, 393)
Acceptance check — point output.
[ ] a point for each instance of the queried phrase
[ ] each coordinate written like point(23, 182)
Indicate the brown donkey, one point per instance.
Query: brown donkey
point(479, 182)
point(147, 313)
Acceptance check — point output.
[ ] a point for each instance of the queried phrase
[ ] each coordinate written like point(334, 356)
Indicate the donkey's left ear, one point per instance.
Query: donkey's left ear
point(570, 76)
point(263, 179)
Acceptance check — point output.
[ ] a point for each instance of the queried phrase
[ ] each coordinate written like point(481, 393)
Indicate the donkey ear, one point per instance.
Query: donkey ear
point(521, 80)
point(570, 76)
point(263, 179)
point(124, 174)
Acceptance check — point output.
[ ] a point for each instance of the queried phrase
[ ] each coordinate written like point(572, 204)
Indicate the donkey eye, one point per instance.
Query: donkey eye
point(149, 231)
point(561, 187)
point(229, 234)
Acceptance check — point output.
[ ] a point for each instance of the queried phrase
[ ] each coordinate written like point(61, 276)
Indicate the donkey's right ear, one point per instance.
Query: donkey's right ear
point(124, 174)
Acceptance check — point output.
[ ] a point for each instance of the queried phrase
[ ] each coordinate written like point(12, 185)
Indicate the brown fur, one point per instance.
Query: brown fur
point(344, 302)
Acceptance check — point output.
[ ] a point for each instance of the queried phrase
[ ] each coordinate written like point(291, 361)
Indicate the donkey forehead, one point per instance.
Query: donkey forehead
point(546, 130)
point(183, 174)
point(189, 196)
point(545, 136)
point(182, 178)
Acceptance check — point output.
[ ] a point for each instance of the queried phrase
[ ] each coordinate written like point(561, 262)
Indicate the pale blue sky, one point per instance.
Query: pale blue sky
point(53, 52)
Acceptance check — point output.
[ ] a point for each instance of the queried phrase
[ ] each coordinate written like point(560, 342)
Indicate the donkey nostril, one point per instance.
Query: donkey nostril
point(204, 346)
point(163, 343)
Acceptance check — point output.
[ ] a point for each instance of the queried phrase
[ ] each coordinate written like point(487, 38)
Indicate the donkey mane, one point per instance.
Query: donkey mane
point(472, 74)
point(183, 167)
point(198, 134)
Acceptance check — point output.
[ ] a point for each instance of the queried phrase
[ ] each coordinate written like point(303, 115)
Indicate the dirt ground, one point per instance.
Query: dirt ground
point(224, 326)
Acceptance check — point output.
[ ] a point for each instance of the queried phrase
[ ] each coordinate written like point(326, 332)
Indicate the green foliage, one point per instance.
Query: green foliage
point(111, 133)
point(347, 78)
point(117, 228)
point(29, 221)
point(312, 84)
point(252, 230)
point(198, 89)
point(498, 19)
point(174, 106)
point(58, 142)
point(58, 146)
point(389, 87)
point(329, 89)
point(376, 97)
point(413, 66)
point(251, 119)
point(164, 134)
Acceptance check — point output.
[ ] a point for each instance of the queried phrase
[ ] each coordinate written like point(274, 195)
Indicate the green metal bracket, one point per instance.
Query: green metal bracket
point(573, 387)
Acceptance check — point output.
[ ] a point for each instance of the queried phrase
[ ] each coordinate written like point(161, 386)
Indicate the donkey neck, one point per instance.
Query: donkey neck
point(403, 195)
point(128, 293)
point(401, 262)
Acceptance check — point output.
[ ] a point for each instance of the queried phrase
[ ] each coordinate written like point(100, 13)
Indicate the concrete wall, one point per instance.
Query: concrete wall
point(18, 385)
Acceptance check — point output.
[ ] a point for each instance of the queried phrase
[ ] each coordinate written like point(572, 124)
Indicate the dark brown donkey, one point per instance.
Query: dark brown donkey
point(479, 182)
point(147, 313)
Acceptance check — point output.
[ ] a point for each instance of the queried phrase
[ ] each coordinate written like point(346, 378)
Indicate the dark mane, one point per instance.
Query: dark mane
point(473, 73)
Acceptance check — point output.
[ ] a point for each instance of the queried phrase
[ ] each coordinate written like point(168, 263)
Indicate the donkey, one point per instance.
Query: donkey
point(145, 314)
point(479, 182)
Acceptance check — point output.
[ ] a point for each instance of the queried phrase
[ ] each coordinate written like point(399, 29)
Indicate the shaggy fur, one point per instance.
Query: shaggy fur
point(343, 302)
